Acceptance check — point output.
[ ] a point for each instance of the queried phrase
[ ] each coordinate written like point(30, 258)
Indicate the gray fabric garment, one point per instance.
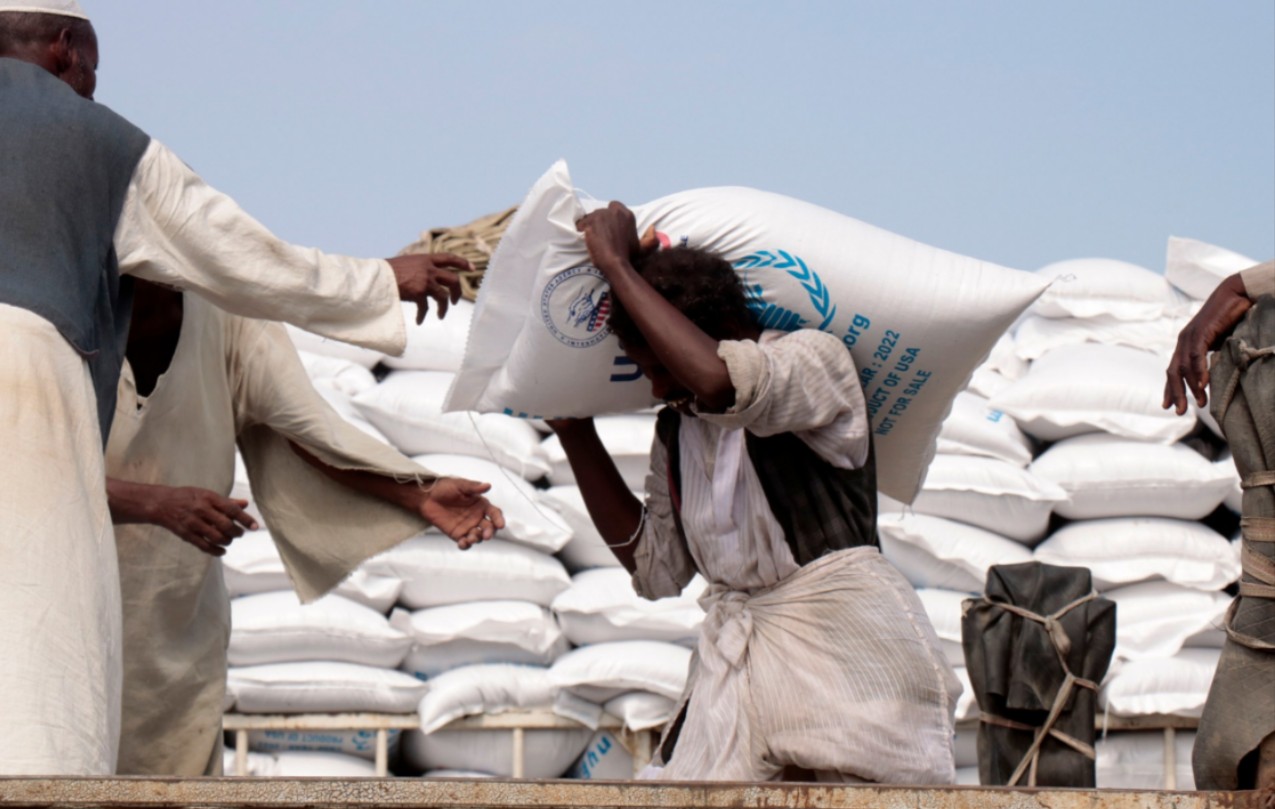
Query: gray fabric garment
point(66, 169)
point(1017, 676)
point(1240, 711)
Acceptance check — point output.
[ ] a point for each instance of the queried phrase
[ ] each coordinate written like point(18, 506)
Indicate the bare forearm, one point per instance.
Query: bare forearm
point(686, 351)
point(615, 512)
point(407, 495)
point(130, 503)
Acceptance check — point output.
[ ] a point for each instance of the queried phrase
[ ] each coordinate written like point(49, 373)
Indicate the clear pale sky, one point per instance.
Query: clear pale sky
point(1018, 132)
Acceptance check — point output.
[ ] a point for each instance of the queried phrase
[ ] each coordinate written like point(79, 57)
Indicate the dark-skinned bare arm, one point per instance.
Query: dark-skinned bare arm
point(688, 353)
point(615, 512)
point(201, 517)
point(453, 505)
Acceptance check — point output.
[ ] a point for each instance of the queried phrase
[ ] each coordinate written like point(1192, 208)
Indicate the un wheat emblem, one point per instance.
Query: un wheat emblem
point(795, 267)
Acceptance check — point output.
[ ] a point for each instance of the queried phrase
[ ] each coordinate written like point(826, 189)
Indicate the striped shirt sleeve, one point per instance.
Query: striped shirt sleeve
point(1259, 280)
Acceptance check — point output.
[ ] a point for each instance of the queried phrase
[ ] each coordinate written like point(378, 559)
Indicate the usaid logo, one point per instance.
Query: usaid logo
point(575, 306)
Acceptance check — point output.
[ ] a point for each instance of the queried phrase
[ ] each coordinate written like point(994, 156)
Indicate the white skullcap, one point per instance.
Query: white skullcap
point(64, 8)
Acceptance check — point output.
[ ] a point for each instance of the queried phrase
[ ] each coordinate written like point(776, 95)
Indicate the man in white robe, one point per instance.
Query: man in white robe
point(183, 404)
point(86, 198)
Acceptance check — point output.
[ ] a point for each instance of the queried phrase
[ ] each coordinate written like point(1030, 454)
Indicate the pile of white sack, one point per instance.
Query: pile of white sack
point(1057, 451)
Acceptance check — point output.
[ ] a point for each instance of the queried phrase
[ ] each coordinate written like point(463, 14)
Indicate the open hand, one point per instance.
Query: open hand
point(456, 506)
point(1206, 331)
point(201, 517)
point(429, 275)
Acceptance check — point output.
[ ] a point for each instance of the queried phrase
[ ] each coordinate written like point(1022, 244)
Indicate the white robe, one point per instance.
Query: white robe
point(229, 377)
point(59, 584)
point(832, 667)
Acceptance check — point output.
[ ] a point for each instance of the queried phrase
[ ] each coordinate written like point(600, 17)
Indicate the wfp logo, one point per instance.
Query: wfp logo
point(575, 305)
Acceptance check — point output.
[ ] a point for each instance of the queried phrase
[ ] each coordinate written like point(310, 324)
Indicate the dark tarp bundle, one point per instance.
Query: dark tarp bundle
point(475, 242)
point(1240, 711)
point(1036, 646)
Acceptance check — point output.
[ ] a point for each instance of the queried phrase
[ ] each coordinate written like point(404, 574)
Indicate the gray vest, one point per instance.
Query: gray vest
point(66, 167)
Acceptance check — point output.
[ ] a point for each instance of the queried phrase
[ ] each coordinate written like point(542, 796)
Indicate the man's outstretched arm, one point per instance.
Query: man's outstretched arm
point(201, 517)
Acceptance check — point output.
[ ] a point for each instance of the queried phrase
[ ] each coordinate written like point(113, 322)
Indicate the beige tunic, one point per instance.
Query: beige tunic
point(59, 589)
point(230, 378)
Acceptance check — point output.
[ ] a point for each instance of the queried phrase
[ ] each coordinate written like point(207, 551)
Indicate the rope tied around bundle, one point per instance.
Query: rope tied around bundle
point(1062, 647)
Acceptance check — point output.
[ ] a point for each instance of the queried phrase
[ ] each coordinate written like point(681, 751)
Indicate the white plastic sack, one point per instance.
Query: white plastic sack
point(988, 383)
point(485, 689)
point(1175, 686)
point(934, 552)
point(1157, 619)
point(1235, 494)
point(976, 428)
point(991, 494)
point(277, 628)
point(359, 743)
point(641, 710)
point(327, 347)
point(252, 565)
point(1197, 268)
point(302, 764)
point(1135, 760)
point(1094, 287)
point(323, 687)
point(944, 608)
point(408, 407)
point(601, 606)
point(547, 753)
point(605, 759)
point(1126, 551)
point(1037, 336)
point(586, 548)
point(627, 440)
point(606, 670)
point(345, 376)
point(966, 703)
point(526, 521)
point(435, 572)
point(918, 320)
point(434, 345)
point(1106, 476)
point(477, 632)
point(1005, 359)
point(1094, 388)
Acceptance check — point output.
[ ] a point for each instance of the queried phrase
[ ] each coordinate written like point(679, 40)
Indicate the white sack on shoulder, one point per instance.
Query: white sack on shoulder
point(586, 549)
point(627, 440)
point(601, 606)
point(976, 428)
point(934, 552)
point(323, 687)
point(278, 628)
point(1197, 268)
point(1094, 287)
point(408, 407)
point(606, 670)
point(1092, 388)
point(918, 320)
point(1106, 476)
point(1126, 551)
point(434, 345)
point(435, 572)
point(991, 494)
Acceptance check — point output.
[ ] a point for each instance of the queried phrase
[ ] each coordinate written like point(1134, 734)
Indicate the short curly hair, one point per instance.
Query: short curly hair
point(702, 285)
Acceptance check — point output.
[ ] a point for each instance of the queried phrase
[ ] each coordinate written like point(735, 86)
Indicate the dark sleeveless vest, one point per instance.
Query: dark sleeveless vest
point(65, 167)
point(820, 508)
